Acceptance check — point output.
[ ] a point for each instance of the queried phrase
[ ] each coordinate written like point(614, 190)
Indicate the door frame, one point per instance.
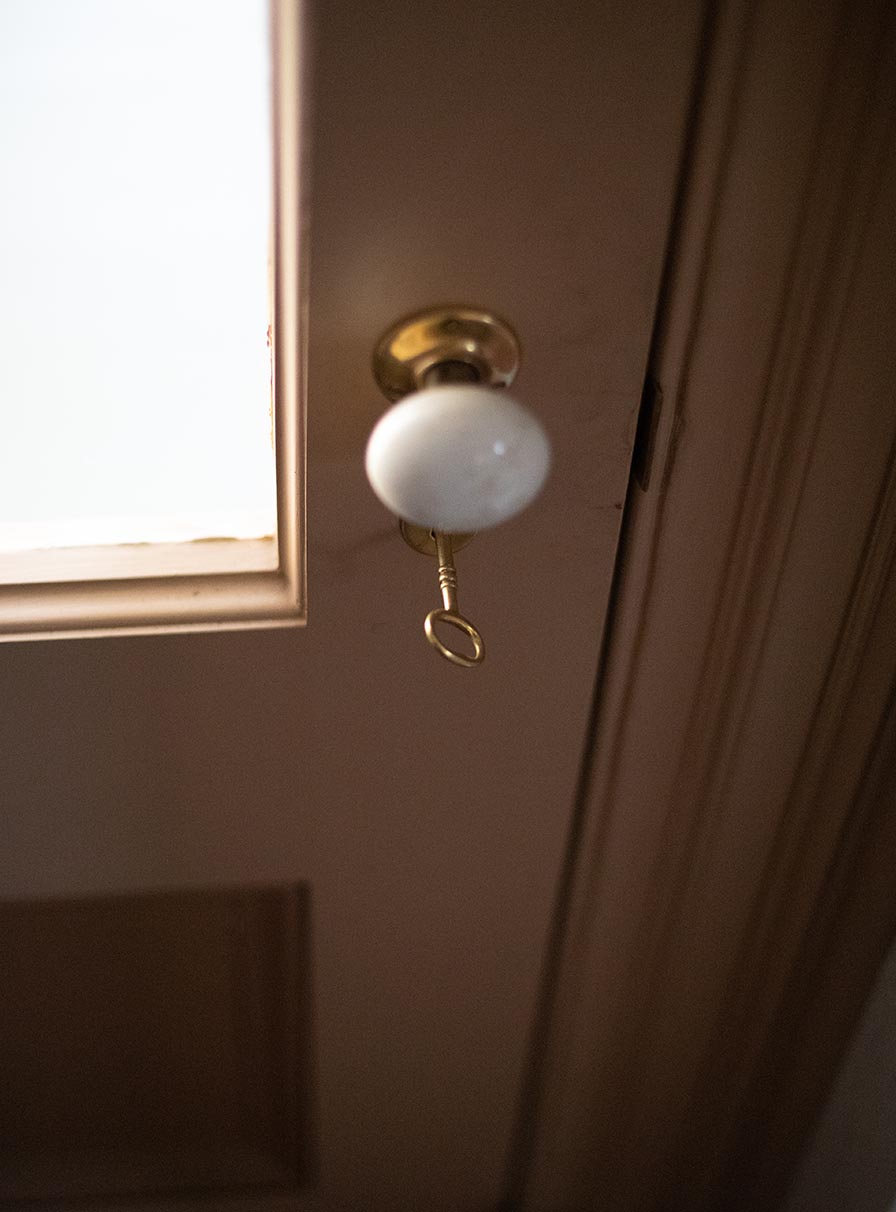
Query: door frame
point(727, 898)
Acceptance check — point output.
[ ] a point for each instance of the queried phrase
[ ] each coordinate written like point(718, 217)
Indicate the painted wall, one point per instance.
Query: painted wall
point(850, 1163)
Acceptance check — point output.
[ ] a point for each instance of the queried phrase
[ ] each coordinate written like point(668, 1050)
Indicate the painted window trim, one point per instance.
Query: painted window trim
point(124, 602)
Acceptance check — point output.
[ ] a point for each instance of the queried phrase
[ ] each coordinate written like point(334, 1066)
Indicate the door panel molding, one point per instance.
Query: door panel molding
point(748, 674)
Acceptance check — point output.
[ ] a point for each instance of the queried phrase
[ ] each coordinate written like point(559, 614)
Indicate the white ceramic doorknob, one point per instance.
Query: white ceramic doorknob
point(457, 457)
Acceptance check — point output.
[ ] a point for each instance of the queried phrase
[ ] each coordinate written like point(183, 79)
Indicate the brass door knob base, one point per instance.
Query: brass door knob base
point(465, 338)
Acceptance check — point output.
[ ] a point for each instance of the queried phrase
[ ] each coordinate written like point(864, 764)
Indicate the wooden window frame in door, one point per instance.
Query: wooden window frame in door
point(108, 590)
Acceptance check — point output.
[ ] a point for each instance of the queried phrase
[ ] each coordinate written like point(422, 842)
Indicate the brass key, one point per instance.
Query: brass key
point(449, 613)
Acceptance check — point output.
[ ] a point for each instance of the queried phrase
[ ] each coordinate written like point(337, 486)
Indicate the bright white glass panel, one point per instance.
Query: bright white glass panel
point(135, 216)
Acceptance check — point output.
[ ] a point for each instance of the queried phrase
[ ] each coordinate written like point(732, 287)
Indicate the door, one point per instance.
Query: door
point(329, 856)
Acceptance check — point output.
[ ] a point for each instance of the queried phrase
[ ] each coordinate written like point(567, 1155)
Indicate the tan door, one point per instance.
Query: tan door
point(300, 883)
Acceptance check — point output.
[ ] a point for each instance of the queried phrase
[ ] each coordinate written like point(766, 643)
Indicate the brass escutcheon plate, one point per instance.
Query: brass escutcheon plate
point(421, 538)
point(415, 345)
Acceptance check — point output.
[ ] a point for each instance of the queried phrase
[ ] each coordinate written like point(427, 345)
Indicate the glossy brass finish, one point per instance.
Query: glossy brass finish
point(423, 540)
point(445, 337)
point(449, 613)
